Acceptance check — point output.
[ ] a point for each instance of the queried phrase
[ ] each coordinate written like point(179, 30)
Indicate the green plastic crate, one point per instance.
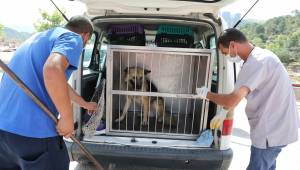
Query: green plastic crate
point(175, 30)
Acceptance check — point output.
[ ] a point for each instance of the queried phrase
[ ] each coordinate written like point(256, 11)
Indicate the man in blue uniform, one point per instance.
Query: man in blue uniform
point(28, 137)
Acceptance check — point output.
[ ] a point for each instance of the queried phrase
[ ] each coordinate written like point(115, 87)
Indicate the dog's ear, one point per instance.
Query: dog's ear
point(147, 71)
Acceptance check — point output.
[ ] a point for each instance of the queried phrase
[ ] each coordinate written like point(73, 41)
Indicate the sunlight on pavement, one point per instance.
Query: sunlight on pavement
point(288, 159)
point(73, 164)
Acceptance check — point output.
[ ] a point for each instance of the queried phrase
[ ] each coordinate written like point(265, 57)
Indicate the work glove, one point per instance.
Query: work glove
point(218, 119)
point(201, 92)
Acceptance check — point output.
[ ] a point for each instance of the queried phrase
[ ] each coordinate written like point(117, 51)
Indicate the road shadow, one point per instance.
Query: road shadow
point(240, 133)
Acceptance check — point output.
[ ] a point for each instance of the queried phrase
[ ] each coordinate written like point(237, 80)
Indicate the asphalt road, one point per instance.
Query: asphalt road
point(289, 158)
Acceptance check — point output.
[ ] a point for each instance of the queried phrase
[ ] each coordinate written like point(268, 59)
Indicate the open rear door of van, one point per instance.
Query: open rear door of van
point(157, 7)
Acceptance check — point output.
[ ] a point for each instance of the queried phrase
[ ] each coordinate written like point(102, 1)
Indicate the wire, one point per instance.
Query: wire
point(245, 15)
point(60, 11)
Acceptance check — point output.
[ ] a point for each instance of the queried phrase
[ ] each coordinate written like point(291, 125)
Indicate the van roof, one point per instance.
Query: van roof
point(156, 7)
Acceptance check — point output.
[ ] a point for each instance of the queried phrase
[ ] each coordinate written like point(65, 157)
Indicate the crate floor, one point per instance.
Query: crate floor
point(183, 126)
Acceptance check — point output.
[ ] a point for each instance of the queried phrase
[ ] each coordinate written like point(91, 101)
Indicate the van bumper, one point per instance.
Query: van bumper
point(150, 157)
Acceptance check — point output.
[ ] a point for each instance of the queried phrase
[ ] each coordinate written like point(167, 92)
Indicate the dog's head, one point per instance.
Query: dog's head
point(135, 76)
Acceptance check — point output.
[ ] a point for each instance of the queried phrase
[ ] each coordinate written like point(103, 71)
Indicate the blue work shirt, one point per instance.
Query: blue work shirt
point(19, 114)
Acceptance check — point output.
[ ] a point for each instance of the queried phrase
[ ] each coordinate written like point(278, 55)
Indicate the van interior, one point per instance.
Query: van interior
point(181, 55)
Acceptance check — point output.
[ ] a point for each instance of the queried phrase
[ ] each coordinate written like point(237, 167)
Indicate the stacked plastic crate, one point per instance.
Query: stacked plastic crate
point(126, 34)
point(174, 36)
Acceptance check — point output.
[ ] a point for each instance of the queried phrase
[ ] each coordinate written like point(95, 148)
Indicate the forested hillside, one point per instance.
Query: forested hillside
point(13, 35)
point(280, 35)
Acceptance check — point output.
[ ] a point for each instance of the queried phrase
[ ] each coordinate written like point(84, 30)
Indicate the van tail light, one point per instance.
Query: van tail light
point(226, 134)
point(227, 127)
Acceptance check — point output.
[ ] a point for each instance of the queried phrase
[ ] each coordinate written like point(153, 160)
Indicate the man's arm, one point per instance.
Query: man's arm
point(229, 101)
point(80, 101)
point(75, 97)
point(57, 87)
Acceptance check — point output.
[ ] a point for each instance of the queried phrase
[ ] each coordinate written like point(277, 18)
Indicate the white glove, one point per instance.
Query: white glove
point(202, 92)
point(218, 119)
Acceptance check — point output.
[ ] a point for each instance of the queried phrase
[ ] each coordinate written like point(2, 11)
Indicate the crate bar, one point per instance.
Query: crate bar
point(188, 90)
point(170, 120)
point(209, 72)
point(120, 87)
point(109, 118)
point(126, 89)
point(153, 94)
point(165, 105)
point(159, 75)
point(205, 103)
point(198, 70)
point(164, 111)
point(158, 49)
point(150, 91)
point(168, 52)
point(181, 91)
point(153, 134)
point(133, 120)
point(171, 112)
point(209, 77)
point(144, 56)
point(164, 50)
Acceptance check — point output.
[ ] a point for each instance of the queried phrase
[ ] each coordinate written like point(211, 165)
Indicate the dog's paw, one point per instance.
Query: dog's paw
point(117, 120)
point(145, 122)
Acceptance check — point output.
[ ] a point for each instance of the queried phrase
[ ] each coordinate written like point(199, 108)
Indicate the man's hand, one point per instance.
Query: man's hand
point(202, 92)
point(218, 119)
point(91, 107)
point(65, 127)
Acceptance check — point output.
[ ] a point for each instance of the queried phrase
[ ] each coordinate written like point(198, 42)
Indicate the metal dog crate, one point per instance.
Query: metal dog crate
point(176, 72)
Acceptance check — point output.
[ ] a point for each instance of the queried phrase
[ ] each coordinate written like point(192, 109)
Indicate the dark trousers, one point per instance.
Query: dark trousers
point(24, 153)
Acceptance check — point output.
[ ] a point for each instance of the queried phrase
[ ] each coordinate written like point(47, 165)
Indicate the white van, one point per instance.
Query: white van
point(175, 41)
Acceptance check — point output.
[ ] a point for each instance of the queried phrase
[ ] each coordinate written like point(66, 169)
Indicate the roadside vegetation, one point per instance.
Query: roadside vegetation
point(1, 30)
point(280, 35)
point(49, 20)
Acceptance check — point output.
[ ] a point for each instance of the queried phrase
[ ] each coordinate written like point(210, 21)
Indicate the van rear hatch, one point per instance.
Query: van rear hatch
point(157, 7)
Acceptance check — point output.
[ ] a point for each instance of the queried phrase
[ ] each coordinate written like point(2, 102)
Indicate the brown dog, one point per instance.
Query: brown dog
point(135, 80)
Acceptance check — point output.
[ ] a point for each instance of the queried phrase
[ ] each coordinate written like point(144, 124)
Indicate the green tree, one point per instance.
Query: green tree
point(280, 35)
point(49, 20)
point(1, 31)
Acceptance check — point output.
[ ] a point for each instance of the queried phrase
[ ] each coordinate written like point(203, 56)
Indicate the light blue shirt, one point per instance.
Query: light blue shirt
point(19, 114)
point(271, 104)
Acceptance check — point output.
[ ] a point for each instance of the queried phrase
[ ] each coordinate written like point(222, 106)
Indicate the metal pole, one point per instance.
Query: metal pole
point(22, 85)
point(60, 11)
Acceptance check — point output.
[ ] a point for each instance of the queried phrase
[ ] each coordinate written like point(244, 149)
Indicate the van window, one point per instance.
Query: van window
point(212, 46)
point(88, 51)
point(212, 42)
point(103, 53)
